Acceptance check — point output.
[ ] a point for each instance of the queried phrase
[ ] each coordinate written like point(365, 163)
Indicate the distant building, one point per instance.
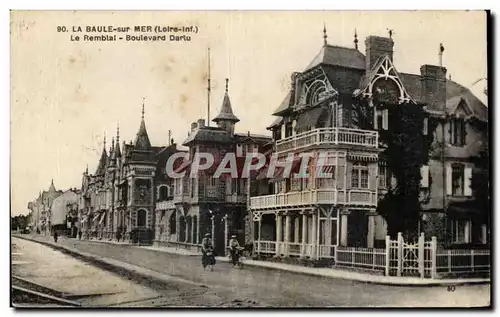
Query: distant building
point(41, 209)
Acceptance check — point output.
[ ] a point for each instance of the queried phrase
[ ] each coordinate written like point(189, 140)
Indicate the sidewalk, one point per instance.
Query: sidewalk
point(322, 272)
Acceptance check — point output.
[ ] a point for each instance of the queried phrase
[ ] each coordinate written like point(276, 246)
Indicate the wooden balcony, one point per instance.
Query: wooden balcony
point(328, 136)
point(352, 197)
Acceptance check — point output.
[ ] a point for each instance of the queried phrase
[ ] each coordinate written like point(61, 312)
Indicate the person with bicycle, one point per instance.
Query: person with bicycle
point(234, 246)
point(207, 252)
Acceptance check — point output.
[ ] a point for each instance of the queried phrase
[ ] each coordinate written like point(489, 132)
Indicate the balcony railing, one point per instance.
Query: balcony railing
point(328, 136)
point(164, 205)
point(313, 197)
point(236, 199)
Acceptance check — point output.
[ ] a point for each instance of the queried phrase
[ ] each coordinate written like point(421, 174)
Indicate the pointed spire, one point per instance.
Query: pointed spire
point(324, 35)
point(142, 138)
point(117, 153)
point(87, 169)
point(143, 98)
point(356, 39)
point(226, 111)
point(52, 188)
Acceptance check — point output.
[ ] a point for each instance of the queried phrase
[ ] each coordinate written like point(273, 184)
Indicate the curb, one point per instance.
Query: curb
point(162, 278)
point(114, 265)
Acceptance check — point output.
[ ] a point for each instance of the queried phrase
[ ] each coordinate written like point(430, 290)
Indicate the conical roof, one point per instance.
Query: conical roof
point(142, 139)
point(226, 112)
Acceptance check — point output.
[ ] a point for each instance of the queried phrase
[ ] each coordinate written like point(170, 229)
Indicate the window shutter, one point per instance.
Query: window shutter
point(375, 121)
point(424, 171)
point(467, 181)
point(294, 123)
point(448, 179)
point(425, 128)
point(385, 119)
point(239, 150)
point(372, 176)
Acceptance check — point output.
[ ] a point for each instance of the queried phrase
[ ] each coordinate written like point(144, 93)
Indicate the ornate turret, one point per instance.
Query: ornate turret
point(142, 140)
point(226, 119)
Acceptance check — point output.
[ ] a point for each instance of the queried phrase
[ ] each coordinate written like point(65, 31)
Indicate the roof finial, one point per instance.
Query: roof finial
point(143, 98)
point(227, 85)
point(104, 139)
point(87, 169)
point(324, 34)
point(356, 39)
point(118, 133)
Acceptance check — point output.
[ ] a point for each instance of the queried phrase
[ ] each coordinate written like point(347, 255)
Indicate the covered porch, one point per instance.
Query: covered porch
point(312, 233)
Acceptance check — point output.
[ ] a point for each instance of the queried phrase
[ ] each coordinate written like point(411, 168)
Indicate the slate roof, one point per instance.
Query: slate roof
point(338, 56)
point(208, 134)
point(454, 93)
point(286, 104)
point(142, 142)
point(226, 112)
point(276, 123)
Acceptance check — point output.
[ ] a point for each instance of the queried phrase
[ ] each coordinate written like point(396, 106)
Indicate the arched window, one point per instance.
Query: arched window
point(316, 92)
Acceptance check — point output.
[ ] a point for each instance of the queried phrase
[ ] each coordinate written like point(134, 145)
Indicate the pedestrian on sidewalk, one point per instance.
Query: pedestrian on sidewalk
point(80, 233)
point(55, 235)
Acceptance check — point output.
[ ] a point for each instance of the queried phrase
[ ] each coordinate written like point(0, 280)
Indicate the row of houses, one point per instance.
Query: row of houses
point(342, 106)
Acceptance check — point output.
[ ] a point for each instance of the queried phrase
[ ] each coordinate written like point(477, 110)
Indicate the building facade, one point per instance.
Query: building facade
point(338, 108)
point(205, 203)
point(118, 200)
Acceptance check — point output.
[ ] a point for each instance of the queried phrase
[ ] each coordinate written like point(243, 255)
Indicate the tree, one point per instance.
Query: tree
point(407, 148)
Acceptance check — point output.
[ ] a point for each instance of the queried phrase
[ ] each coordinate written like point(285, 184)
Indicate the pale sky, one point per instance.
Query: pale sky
point(65, 94)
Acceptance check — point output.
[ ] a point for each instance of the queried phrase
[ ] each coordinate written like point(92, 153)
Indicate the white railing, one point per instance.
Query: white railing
point(265, 247)
point(326, 251)
point(362, 197)
point(367, 258)
point(164, 205)
point(294, 199)
point(333, 136)
point(319, 196)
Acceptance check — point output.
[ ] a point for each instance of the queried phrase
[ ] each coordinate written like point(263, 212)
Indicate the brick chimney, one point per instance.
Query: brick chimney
point(377, 46)
point(194, 125)
point(201, 123)
point(433, 86)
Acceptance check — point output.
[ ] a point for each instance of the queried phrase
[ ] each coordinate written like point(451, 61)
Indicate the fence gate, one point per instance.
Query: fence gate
point(405, 259)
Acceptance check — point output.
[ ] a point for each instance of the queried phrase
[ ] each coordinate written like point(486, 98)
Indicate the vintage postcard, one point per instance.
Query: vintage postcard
point(250, 159)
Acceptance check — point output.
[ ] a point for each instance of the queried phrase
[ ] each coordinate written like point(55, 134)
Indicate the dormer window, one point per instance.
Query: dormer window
point(457, 132)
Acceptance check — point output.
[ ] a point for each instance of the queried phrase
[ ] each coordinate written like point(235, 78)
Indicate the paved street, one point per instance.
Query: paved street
point(276, 288)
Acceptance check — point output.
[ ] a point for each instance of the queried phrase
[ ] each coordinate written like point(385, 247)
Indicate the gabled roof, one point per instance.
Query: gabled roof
point(454, 92)
point(338, 56)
